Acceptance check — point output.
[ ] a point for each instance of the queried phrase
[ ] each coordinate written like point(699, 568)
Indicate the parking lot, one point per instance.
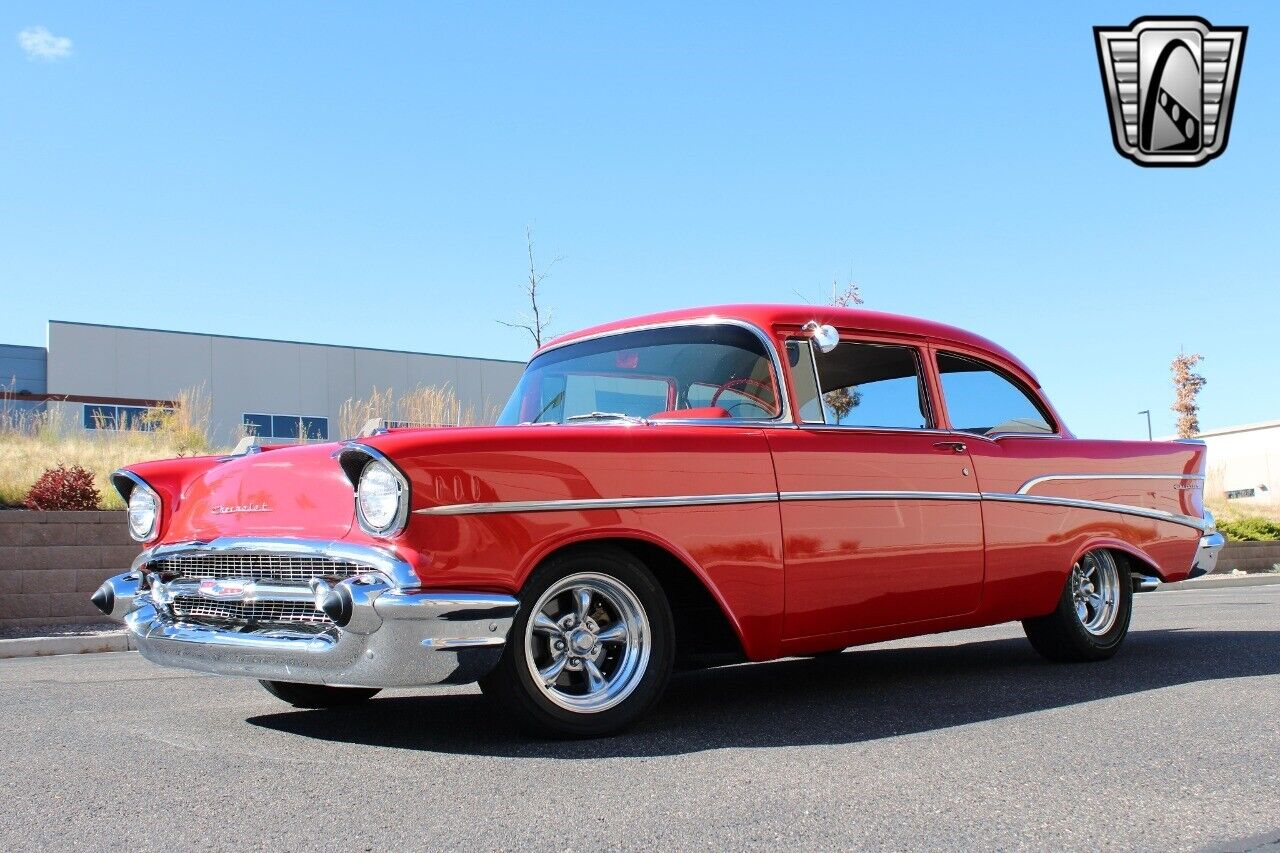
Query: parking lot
point(964, 740)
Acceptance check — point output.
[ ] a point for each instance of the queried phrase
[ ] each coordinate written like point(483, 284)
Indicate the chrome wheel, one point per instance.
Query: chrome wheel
point(587, 643)
point(1095, 591)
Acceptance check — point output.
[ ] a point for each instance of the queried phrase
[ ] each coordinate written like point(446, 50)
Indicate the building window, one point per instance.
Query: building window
point(287, 427)
point(1237, 494)
point(104, 416)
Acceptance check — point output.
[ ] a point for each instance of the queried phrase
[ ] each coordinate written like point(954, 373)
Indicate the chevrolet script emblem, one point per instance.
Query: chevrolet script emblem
point(1170, 85)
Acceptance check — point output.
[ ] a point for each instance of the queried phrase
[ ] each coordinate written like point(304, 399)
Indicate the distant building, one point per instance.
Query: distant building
point(104, 377)
point(1243, 463)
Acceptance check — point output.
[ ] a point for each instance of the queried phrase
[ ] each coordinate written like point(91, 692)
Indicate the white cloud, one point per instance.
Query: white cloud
point(39, 43)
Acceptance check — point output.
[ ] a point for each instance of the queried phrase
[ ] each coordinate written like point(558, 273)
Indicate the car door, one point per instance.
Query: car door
point(881, 517)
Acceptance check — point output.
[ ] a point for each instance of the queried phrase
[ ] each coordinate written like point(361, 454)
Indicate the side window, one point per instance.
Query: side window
point(805, 381)
point(983, 401)
point(872, 385)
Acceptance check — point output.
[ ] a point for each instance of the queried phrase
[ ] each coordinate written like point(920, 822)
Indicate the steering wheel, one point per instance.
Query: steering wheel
point(737, 384)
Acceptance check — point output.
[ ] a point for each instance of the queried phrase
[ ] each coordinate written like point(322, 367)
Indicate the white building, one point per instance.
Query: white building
point(104, 377)
point(1243, 463)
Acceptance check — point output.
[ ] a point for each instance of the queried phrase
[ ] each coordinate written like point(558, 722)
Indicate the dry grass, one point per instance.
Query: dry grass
point(426, 405)
point(31, 444)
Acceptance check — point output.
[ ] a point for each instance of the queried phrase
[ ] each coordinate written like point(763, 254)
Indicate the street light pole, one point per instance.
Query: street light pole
point(1147, 412)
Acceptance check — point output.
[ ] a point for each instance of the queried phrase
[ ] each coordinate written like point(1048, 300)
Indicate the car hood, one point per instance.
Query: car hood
point(282, 491)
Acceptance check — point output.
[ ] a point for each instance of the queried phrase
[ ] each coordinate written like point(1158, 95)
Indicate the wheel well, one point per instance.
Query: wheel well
point(704, 635)
point(1136, 565)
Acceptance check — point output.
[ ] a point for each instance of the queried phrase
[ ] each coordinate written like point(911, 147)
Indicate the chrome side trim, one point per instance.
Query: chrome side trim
point(1026, 487)
point(862, 495)
point(596, 503)
point(763, 497)
point(378, 559)
point(770, 349)
point(1074, 503)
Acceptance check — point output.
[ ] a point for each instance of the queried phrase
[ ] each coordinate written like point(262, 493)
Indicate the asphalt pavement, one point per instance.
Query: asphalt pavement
point(965, 740)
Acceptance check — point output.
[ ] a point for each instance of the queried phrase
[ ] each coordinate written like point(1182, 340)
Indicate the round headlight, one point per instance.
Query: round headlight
point(144, 511)
point(379, 497)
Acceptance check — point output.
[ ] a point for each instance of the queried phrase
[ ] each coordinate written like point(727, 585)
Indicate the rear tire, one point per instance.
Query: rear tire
point(1092, 616)
point(591, 648)
point(318, 695)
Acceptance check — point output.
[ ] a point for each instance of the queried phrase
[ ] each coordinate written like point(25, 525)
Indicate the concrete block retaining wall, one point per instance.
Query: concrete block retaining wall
point(50, 563)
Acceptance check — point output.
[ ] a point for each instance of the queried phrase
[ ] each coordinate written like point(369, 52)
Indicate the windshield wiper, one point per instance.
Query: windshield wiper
point(606, 416)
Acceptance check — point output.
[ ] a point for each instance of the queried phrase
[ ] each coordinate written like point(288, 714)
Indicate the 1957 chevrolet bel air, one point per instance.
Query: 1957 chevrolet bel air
point(689, 488)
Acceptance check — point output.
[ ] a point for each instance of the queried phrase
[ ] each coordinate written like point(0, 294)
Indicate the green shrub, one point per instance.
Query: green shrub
point(1251, 529)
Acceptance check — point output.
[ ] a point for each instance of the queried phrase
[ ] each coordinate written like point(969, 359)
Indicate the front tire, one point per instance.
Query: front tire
point(318, 695)
point(1092, 616)
point(591, 648)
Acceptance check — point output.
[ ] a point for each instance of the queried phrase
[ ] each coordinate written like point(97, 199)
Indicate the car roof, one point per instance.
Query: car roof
point(768, 317)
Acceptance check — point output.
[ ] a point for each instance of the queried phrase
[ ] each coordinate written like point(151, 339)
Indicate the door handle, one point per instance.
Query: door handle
point(957, 446)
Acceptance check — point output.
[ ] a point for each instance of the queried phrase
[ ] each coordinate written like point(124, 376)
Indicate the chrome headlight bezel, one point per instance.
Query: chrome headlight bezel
point(378, 465)
point(141, 503)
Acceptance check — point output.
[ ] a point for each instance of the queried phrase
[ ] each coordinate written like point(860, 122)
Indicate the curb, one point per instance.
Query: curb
point(1216, 581)
point(29, 647)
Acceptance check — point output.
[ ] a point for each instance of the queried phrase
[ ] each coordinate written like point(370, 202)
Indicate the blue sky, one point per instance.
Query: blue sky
point(363, 174)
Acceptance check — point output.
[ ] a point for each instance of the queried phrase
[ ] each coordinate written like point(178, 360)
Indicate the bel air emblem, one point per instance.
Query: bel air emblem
point(1170, 85)
point(228, 510)
point(223, 589)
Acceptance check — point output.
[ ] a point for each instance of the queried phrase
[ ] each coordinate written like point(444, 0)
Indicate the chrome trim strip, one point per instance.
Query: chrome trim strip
point(862, 495)
point(1126, 509)
point(596, 503)
point(378, 559)
point(1026, 487)
point(711, 320)
point(763, 497)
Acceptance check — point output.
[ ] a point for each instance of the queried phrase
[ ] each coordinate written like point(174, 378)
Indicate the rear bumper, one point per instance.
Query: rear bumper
point(1207, 554)
point(394, 639)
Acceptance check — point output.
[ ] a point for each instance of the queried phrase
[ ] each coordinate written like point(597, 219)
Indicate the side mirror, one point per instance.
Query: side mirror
point(825, 337)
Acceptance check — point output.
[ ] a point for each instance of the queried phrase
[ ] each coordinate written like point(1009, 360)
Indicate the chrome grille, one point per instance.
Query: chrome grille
point(255, 567)
point(196, 607)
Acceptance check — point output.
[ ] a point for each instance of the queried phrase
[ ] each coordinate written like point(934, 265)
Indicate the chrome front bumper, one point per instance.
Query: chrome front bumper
point(390, 636)
point(1207, 554)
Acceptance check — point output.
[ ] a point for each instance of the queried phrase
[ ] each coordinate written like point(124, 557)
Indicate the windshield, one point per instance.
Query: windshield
point(721, 370)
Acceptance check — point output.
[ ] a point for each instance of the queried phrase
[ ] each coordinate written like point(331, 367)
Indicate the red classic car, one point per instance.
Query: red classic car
point(691, 488)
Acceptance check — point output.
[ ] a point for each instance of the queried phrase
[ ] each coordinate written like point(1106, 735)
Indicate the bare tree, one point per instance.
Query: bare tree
point(1186, 385)
point(842, 401)
point(850, 297)
point(537, 321)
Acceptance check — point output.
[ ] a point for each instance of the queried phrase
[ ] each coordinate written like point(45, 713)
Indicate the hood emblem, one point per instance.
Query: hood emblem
point(229, 510)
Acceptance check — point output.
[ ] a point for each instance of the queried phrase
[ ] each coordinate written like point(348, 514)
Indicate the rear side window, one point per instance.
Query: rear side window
point(984, 401)
point(872, 385)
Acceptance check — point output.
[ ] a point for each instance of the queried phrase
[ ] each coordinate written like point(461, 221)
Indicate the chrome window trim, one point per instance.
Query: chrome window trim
point(994, 437)
point(1026, 487)
point(770, 350)
point(378, 559)
point(402, 510)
